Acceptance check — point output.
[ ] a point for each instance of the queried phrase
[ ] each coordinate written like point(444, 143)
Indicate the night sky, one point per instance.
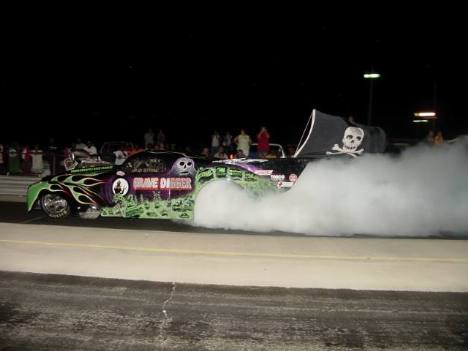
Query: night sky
point(109, 77)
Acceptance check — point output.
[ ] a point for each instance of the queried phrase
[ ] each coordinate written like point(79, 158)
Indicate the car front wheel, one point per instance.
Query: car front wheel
point(55, 205)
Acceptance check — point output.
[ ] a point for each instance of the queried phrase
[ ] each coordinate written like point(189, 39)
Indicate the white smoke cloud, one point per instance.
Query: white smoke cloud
point(422, 192)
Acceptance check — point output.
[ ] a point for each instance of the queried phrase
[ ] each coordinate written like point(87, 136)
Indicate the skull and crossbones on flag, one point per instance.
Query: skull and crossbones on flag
point(352, 139)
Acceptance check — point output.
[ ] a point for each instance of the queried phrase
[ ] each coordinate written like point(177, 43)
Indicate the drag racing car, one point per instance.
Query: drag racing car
point(151, 185)
point(166, 184)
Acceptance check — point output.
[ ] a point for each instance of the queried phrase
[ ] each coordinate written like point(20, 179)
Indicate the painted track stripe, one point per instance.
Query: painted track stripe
point(240, 254)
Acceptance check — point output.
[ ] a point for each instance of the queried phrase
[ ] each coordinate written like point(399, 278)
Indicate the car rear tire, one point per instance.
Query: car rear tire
point(55, 205)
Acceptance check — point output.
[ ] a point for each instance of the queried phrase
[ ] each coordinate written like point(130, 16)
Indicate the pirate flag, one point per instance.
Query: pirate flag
point(333, 135)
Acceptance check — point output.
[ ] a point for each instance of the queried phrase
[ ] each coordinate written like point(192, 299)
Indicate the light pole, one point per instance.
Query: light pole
point(370, 76)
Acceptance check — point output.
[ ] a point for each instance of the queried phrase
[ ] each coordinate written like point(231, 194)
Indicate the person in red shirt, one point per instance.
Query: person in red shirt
point(263, 140)
point(26, 160)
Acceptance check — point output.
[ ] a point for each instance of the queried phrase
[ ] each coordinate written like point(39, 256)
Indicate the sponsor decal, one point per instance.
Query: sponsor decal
point(91, 169)
point(162, 183)
point(120, 186)
point(285, 184)
point(238, 161)
point(277, 177)
point(263, 172)
point(292, 177)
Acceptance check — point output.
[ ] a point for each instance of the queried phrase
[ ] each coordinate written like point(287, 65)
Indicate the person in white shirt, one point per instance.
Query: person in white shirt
point(37, 160)
point(215, 142)
point(243, 142)
point(90, 148)
point(120, 156)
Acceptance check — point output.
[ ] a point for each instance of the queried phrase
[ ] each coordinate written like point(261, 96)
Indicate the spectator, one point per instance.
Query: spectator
point(46, 172)
point(79, 145)
point(69, 161)
point(220, 154)
point(37, 160)
point(161, 139)
point(438, 139)
point(240, 153)
point(205, 152)
point(26, 160)
point(90, 148)
point(149, 138)
point(430, 138)
point(51, 155)
point(120, 156)
point(263, 142)
point(13, 159)
point(291, 150)
point(243, 142)
point(215, 142)
point(2, 160)
point(227, 141)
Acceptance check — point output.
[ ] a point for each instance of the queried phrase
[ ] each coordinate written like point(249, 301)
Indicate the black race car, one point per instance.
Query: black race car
point(166, 184)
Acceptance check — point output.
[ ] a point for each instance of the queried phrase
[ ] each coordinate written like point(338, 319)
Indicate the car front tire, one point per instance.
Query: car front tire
point(55, 205)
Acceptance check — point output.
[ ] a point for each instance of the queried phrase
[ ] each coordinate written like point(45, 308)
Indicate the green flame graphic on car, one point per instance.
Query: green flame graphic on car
point(77, 187)
point(86, 190)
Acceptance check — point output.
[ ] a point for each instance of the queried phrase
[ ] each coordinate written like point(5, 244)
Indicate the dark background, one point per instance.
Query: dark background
point(83, 73)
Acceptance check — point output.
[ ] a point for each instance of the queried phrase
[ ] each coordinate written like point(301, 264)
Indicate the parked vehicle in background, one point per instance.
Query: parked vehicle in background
point(116, 152)
point(276, 151)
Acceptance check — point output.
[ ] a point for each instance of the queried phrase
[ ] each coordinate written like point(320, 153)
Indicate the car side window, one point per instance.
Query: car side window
point(145, 165)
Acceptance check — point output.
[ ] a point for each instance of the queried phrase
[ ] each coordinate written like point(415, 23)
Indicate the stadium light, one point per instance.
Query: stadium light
point(371, 75)
point(425, 114)
point(420, 120)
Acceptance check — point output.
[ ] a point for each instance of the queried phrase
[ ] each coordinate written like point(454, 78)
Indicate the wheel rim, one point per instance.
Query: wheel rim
point(55, 205)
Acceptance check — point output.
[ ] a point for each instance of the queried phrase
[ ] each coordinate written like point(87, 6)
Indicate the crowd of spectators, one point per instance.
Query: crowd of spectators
point(46, 159)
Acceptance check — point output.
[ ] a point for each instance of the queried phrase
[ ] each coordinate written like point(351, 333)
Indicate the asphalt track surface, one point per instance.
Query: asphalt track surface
point(53, 312)
point(63, 312)
point(15, 212)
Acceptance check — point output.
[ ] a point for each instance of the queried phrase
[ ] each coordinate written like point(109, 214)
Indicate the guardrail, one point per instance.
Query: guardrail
point(16, 185)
